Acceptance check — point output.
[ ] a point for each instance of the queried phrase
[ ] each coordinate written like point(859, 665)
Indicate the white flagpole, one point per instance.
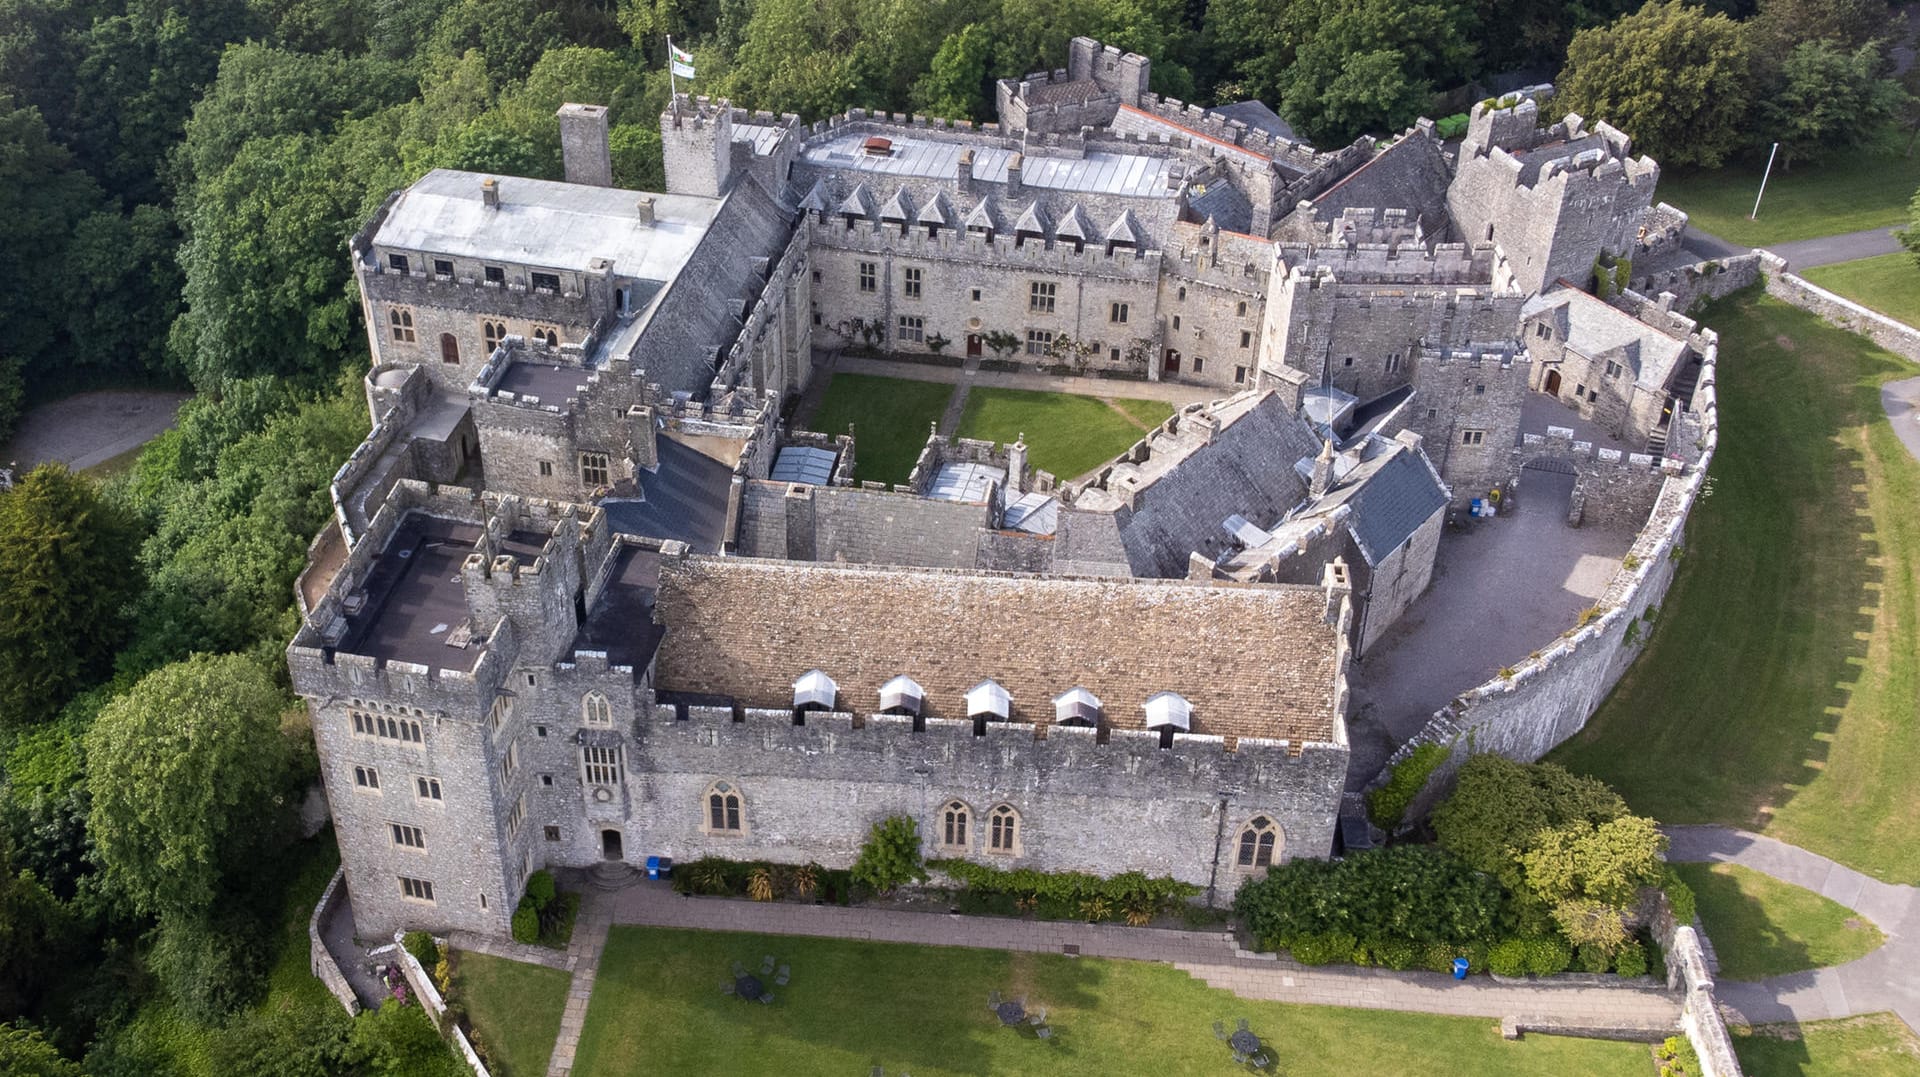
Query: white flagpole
point(673, 84)
point(1755, 215)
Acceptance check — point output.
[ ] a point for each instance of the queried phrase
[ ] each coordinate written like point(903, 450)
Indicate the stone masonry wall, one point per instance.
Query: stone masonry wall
point(1897, 337)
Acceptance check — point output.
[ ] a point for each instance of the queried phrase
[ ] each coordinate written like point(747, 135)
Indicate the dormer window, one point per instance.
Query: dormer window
point(443, 268)
point(814, 691)
point(902, 695)
point(548, 283)
point(397, 263)
point(988, 702)
point(1077, 707)
point(1169, 713)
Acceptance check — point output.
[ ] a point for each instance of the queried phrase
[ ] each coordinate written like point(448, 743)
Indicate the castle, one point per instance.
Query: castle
point(586, 599)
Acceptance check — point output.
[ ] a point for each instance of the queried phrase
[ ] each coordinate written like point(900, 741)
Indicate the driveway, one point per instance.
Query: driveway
point(1804, 254)
point(91, 428)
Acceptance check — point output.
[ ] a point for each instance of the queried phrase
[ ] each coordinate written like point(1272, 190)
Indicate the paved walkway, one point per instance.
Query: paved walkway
point(1209, 956)
point(1901, 399)
point(583, 957)
point(1803, 254)
point(1883, 980)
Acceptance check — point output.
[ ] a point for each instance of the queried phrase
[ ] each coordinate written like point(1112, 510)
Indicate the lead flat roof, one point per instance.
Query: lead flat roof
point(545, 223)
point(552, 384)
point(1127, 174)
point(414, 599)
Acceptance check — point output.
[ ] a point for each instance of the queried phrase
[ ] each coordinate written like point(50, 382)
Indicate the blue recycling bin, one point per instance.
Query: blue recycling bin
point(1459, 968)
point(659, 867)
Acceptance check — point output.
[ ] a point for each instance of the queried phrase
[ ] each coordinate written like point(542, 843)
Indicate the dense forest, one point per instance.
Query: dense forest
point(185, 175)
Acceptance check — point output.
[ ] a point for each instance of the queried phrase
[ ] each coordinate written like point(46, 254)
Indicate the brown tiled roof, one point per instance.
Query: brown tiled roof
point(1255, 661)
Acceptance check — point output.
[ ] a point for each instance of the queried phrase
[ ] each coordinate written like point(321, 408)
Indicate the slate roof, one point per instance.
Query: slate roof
point(1597, 329)
point(746, 628)
point(1400, 495)
point(1257, 115)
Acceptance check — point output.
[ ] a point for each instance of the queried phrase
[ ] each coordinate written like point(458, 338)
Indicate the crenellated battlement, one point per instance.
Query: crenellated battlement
point(1004, 248)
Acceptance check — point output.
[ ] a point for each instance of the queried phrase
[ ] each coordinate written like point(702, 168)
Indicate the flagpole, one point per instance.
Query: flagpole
point(673, 84)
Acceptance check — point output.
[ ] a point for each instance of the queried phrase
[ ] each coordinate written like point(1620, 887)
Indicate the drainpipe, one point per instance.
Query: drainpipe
point(1219, 836)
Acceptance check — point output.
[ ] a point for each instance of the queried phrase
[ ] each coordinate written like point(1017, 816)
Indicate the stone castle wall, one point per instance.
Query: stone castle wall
point(1897, 337)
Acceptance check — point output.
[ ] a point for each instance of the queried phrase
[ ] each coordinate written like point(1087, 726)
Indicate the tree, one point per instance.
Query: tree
point(956, 85)
point(191, 783)
point(890, 858)
point(24, 1052)
point(63, 579)
point(1828, 100)
point(123, 285)
point(1672, 76)
point(48, 195)
point(1372, 65)
point(1499, 808)
point(1910, 235)
point(1780, 26)
point(1591, 875)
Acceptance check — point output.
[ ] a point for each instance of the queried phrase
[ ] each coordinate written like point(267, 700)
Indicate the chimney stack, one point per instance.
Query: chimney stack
point(644, 210)
point(1322, 470)
point(963, 173)
point(583, 145)
point(490, 192)
point(1017, 465)
point(1014, 167)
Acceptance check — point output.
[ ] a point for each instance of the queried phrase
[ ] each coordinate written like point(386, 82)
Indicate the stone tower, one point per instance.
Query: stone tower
point(583, 144)
point(696, 138)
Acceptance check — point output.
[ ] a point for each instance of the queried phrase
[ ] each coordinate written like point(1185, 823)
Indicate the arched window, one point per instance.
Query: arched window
point(596, 710)
point(449, 348)
point(401, 321)
point(494, 333)
point(1241, 310)
point(1182, 293)
point(1257, 840)
point(723, 809)
point(953, 824)
point(1003, 830)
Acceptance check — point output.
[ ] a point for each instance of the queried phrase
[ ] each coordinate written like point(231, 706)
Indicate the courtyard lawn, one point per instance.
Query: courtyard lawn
point(1763, 927)
point(1889, 284)
point(657, 1008)
point(1877, 1045)
point(1847, 194)
point(1067, 435)
point(515, 1009)
point(891, 419)
point(1780, 687)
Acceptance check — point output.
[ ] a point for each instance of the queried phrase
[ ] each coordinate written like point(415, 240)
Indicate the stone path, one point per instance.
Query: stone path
point(1883, 980)
point(1209, 956)
point(1901, 400)
point(508, 949)
point(583, 957)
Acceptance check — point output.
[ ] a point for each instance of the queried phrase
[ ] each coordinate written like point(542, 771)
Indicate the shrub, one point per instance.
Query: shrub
point(556, 920)
point(1453, 126)
point(890, 858)
point(1631, 960)
point(760, 885)
point(1438, 957)
point(1679, 896)
point(526, 922)
point(707, 876)
point(1387, 805)
point(540, 888)
point(1414, 892)
point(1095, 909)
point(1061, 894)
point(1677, 1058)
point(1592, 959)
point(1396, 954)
point(421, 946)
point(806, 879)
point(1546, 956)
point(1508, 957)
point(1322, 949)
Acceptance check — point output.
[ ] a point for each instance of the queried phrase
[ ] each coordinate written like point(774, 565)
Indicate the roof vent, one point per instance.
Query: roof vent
point(1077, 707)
point(902, 695)
point(877, 147)
point(814, 691)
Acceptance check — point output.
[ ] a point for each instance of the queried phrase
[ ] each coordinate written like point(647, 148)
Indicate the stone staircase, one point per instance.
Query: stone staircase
point(1680, 399)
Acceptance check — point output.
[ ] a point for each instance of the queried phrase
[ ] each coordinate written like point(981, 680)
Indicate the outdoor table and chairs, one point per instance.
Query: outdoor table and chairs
point(1244, 1042)
point(752, 987)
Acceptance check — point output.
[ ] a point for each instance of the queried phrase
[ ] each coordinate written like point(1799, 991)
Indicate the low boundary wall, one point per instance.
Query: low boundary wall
point(319, 958)
point(436, 1007)
point(1838, 311)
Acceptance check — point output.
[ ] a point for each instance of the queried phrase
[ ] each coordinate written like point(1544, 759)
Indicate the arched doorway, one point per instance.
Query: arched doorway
point(1172, 363)
point(610, 845)
point(1552, 386)
point(973, 344)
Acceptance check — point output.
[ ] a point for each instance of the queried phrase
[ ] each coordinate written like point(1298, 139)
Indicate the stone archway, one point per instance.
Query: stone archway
point(1552, 385)
point(1551, 483)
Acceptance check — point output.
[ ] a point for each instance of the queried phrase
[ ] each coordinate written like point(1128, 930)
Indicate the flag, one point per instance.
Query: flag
point(680, 60)
point(685, 71)
point(681, 55)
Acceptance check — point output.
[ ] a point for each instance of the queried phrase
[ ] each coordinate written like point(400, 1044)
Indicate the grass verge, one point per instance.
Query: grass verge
point(1889, 283)
point(1763, 927)
point(1781, 684)
point(657, 1007)
point(891, 419)
point(1848, 194)
point(1067, 435)
point(1876, 1045)
point(515, 1009)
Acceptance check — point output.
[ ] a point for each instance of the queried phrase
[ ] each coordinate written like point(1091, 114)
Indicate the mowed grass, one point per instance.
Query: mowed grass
point(1763, 927)
point(1780, 687)
point(515, 1009)
point(1877, 1045)
point(891, 419)
point(1851, 193)
point(1067, 435)
point(1889, 283)
point(851, 1006)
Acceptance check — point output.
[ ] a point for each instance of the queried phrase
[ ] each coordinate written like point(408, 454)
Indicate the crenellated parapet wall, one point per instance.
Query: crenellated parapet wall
point(1002, 250)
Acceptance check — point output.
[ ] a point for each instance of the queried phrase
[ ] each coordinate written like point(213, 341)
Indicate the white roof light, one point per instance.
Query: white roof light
point(1169, 709)
point(902, 691)
point(1076, 706)
point(815, 688)
point(988, 697)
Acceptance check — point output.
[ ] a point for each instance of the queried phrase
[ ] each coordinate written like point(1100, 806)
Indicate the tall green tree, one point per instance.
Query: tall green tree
point(1674, 77)
point(64, 576)
point(192, 783)
point(1828, 100)
point(24, 1052)
point(956, 85)
point(123, 282)
point(1781, 26)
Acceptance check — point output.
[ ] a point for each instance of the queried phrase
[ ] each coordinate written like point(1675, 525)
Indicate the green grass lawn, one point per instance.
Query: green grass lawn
point(657, 1008)
point(515, 1009)
point(1889, 283)
point(1877, 1045)
point(1780, 688)
point(891, 419)
point(1847, 194)
point(1763, 927)
point(1067, 435)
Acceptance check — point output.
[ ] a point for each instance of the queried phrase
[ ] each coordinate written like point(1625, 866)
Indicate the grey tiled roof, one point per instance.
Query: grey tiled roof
point(1392, 504)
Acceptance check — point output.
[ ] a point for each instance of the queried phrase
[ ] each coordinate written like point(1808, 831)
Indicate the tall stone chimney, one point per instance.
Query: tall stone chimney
point(1014, 168)
point(490, 192)
point(583, 144)
point(1017, 465)
point(963, 172)
point(1322, 470)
